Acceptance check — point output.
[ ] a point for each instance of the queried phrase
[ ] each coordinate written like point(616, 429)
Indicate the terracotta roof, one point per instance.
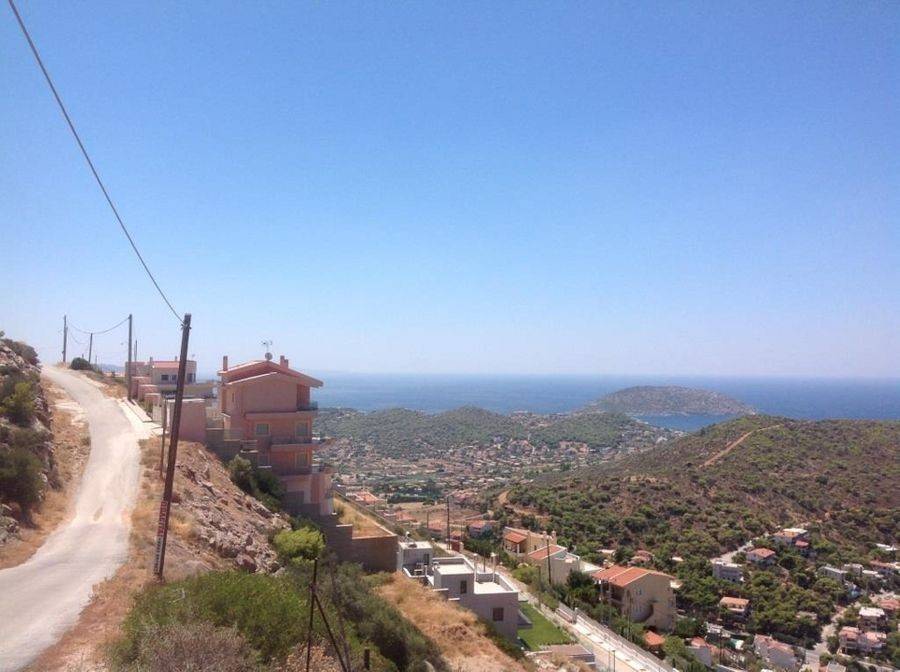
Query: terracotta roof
point(269, 367)
point(541, 553)
point(762, 552)
point(622, 576)
point(734, 602)
point(514, 537)
point(652, 639)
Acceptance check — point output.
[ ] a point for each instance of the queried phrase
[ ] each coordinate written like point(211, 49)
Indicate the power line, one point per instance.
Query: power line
point(87, 158)
point(98, 333)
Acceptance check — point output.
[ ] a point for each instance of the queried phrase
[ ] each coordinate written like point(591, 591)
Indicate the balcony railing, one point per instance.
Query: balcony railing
point(310, 406)
point(290, 440)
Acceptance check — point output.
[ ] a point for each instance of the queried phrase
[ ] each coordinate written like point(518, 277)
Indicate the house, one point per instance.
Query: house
point(789, 536)
point(833, 573)
point(871, 618)
point(890, 605)
point(853, 640)
point(762, 557)
point(162, 376)
point(414, 556)
point(702, 650)
point(727, 571)
point(480, 528)
point(641, 557)
point(559, 562)
point(736, 607)
point(639, 594)
point(519, 542)
point(778, 655)
point(488, 594)
point(265, 407)
point(853, 568)
point(885, 569)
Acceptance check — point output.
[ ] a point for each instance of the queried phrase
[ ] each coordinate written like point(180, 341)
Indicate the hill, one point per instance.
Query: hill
point(401, 432)
point(669, 400)
point(709, 492)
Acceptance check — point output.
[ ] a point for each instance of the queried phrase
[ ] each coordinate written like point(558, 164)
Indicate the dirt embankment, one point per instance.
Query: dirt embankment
point(461, 637)
point(213, 525)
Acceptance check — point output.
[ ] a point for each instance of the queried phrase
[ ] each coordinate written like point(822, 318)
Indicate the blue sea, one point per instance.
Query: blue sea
point(792, 397)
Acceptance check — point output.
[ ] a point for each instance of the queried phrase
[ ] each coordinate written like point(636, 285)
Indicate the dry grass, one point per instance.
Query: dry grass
point(363, 525)
point(458, 633)
point(71, 449)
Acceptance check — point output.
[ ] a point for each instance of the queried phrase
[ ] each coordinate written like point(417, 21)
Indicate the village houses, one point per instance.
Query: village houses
point(641, 595)
point(762, 557)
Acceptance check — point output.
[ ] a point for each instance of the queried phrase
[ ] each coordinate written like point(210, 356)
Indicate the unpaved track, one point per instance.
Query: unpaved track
point(41, 598)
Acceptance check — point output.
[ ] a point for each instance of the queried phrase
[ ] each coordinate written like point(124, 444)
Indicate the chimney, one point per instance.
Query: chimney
point(224, 362)
point(151, 361)
point(284, 362)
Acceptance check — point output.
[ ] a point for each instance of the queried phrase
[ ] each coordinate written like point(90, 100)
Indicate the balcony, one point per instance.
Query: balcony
point(311, 406)
point(296, 440)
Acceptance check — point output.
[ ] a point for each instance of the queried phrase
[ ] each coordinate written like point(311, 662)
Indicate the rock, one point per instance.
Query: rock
point(244, 561)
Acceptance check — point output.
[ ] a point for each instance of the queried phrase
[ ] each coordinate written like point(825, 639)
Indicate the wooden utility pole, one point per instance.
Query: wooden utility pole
point(165, 505)
point(90, 347)
point(65, 336)
point(128, 370)
point(135, 350)
point(448, 522)
point(162, 439)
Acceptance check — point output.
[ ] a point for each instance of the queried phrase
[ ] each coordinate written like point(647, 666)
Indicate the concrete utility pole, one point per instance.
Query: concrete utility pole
point(128, 370)
point(90, 347)
point(165, 505)
point(65, 336)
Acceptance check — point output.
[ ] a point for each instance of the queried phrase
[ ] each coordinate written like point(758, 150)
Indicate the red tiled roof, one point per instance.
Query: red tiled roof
point(651, 639)
point(541, 553)
point(622, 576)
point(514, 537)
point(763, 552)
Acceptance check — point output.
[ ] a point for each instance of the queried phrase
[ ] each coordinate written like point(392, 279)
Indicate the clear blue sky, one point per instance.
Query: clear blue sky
point(672, 188)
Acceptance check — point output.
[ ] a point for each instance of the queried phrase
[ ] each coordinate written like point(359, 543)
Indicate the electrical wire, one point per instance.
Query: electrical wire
point(87, 158)
point(97, 333)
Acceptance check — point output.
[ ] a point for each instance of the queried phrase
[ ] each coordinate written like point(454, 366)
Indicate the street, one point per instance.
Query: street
point(43, 597)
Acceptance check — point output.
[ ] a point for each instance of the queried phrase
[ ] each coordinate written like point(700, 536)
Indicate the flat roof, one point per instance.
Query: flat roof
point(450, 569)
point(485, 587)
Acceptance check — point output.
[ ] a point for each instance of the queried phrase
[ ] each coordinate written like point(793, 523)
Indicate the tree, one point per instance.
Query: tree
point(298, 546)
point(81, 364)
point(20, 477)
point(19, 406)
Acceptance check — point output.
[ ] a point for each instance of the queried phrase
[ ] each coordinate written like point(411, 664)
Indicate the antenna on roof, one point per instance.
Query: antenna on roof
point(268, 345)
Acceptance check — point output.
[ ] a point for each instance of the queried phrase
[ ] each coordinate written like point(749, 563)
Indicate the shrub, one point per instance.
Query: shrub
point(23, 350)
point(19, 406)
point(265, 610)
point(81, 364)
point(299, 545)
point(194, 646)
point(21, 480)
point(261, 483)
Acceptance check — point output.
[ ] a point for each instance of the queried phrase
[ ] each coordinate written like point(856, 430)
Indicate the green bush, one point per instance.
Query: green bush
point(261, 483)
point(195, 646)
point(265, 610)
point(21, 480)
point(81, 364)
point(23, 350)
point(299, 545)
point(19, 406)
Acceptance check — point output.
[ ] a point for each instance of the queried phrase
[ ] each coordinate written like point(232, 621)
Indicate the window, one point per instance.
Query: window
point(303, 429)
point(261, 429)
point(190, 377)
point(463, 587)
point(497, 614)
point(164, 377)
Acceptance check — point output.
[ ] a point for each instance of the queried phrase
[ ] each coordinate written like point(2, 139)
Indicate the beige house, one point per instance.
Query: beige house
point(641, 595)
point(519, 542)
point(777, 655)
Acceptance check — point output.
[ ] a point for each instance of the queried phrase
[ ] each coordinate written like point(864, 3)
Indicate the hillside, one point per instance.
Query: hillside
point(711, 491)
point(401, 432)
point(669, 400)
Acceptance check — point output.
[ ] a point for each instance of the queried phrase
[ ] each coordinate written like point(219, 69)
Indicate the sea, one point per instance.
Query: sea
point(802, 398)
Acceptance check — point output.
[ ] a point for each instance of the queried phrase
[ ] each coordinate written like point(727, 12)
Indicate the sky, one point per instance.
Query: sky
point(678, 188)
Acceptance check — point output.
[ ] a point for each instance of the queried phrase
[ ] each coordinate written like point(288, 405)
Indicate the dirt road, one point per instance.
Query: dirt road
point(41, 598)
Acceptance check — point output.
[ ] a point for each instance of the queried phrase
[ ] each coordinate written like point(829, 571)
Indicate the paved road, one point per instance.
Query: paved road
point(42, 598)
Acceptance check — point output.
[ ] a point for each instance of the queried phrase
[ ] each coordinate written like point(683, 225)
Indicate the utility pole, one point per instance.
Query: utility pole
point(90, 347)
point(163, 527)
point(65, 336)
point(135, 350)
point(448, 522)
point(128, 370)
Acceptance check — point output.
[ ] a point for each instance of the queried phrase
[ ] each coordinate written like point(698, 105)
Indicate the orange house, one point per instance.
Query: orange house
point(269, 405)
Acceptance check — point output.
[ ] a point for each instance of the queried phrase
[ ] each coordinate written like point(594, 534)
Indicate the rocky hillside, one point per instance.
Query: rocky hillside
point(669, 400)
point(27, 461)
point(711, 491)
